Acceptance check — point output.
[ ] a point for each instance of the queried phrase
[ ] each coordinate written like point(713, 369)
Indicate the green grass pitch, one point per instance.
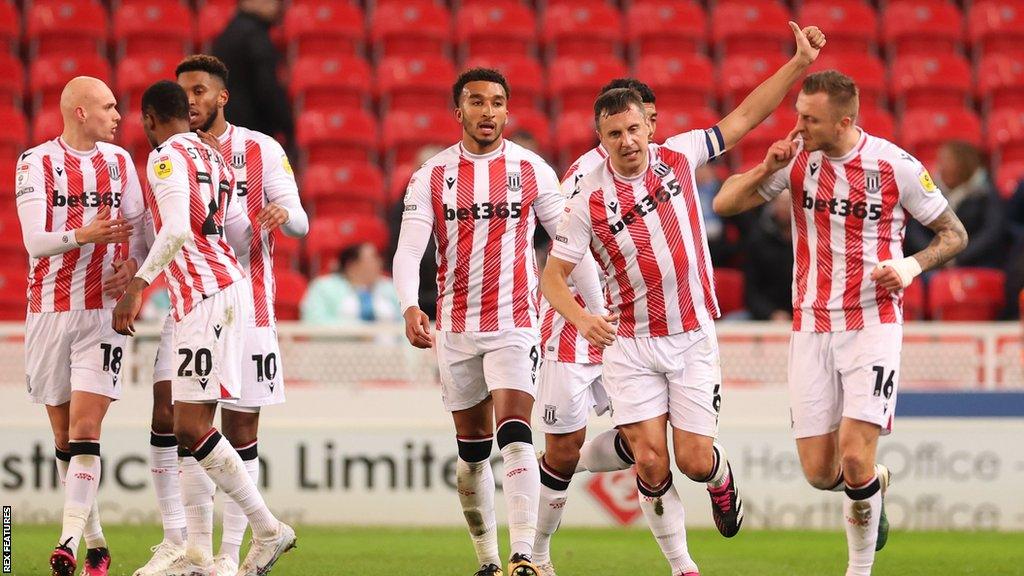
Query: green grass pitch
point(591, 552)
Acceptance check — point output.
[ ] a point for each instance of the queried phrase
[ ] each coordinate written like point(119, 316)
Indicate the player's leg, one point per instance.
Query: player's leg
point(816, 404)
point(695, 381)
point(862, 508)
point(819, 458)
point(240, 426)
point(641, 398)
point(557, 466)
point(608, 451)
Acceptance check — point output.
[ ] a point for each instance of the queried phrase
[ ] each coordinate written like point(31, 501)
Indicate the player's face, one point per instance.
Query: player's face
point(206, 98)
point(625, 136)
point(101, 116)
point(819, 123)
point(652, 116)
point(483, 112)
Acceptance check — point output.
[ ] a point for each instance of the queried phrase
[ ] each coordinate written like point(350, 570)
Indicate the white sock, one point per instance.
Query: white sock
point(163, 467)
point(235, 521)
point(665, 515)
point(862, 509)
point(553, 490)
point(720, 469)
point(521, 484)
point(475, 482)
point(93, 531)
point(197, 492)
point(606, 452)
point(80, 486)
point(225, 467)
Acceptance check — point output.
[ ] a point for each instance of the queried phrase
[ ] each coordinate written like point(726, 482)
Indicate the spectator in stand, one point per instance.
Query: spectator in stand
point(357, 293)
point(768, 267)
point(975, 200)
point(1015, 259)
point(527, 140)
point(258, 100)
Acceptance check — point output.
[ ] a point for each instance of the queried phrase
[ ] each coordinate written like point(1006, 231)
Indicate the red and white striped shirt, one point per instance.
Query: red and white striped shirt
point(186, 175)
point(559, 340)
point(849, 214)
point(483, 210)
point(58, 190)
point(262, 175)
point(648, 234)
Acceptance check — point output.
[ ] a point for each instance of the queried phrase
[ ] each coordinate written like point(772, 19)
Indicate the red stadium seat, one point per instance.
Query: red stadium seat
point(923, 27)
point(533, 122)
point(398, 181)
point(1009, 175)
point(337, 136)
point(153, 27)
point(678, 81)
point(326, 82)
point(996, 26)
point(924, 130)
point(136, 73)
point(754, 145)
point(673, 121)
point(753, 28)
point(290, 289)
point(328, 236)
point(574, 135)
point(47, 124)
point(286, 250)
point(406, 133)
point(581, 29)
point(12, 80)
point(13, 138)
point(729, 289)
point(851, 25)
point(496, 28)
point(324, 28)
point(415, 83)
point(211, 21)
point(915, 302)
point(344, 188)
point(866, 69)
point(575, 82)
point(666, 28)
point(13, 289)
point(740, 74)
point(1006, 134)
point(49, 74)
point(1001, 80)
point(939, 80)
point(401, 29)
point(10, 25)
point(966, 294)
point(66, 27)
point(877, 121)
point(132, 138)
point(527, 74)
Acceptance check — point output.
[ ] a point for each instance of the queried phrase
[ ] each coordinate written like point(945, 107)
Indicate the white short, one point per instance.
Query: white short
point(835, 375)
point(72, 351)
point(565, 394)
point(472, 364)
point(680, 375)
point(207, 347)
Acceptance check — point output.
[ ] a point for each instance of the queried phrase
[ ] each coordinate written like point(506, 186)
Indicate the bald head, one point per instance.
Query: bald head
point(89, 110)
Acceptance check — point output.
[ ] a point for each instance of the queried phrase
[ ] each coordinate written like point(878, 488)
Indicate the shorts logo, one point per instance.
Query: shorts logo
point(114, 170)
point(514, 182)
point(271, 384)
point(217, 329)
point(28, 383)
point(549, 415)
point(203, 382)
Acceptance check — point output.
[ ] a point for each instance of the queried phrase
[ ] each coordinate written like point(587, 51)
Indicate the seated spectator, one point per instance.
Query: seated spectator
point(768, 268)
point(357, 293)
point(975, 200)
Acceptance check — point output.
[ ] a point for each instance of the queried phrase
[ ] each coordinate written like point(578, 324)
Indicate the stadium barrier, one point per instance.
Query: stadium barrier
point(363, 439)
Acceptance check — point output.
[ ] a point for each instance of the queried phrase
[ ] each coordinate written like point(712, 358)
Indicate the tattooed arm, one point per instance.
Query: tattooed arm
point(950, 239)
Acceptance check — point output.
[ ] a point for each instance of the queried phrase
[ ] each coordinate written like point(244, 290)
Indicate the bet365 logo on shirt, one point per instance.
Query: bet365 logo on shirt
point(843, 207)
point(484, 211)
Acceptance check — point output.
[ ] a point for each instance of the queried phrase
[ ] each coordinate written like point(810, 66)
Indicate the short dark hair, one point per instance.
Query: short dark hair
point(478, 75)
point(841, 89)
point(203, 63)
point(646, 94)
point(165, 100)
point(348, 255)
point(615, 101)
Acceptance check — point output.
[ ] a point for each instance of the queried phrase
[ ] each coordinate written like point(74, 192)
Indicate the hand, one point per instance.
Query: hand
point(780, 316)
point(103, 229)
point(888, 278)
point(128, 307)
point(209, 139)
point(598, 330)
point(272, 215)
point(781, 152)
point(417, 328)
point(809, 42)
point(124, 271)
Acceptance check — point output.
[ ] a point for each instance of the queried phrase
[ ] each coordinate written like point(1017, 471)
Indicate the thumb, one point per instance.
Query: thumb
point(877, 272)
point(796, 30)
